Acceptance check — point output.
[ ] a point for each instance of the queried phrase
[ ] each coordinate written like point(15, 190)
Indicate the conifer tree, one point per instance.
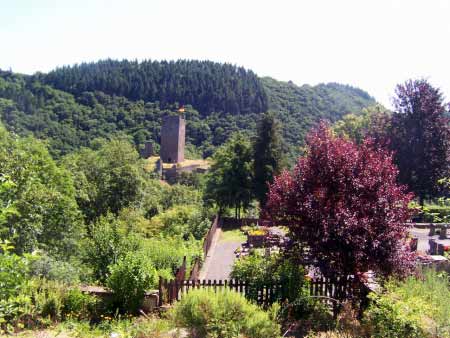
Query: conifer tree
point(267, 152)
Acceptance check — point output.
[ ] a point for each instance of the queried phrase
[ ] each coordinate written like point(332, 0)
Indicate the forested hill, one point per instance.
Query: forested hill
point(208, 86)
point(102, 105)
point(300, 107)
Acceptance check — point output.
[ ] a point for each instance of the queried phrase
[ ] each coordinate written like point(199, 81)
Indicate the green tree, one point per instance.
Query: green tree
point(107, 242)
point(358, 126)
point(267, 152)
point(230, 179)
point(129, 278)
point(45, 214)
point(107, 179)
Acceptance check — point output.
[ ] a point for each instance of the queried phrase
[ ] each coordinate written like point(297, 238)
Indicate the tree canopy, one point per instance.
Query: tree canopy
point(267, 154)
point(42, 211)
point(343, 207)
point(231, 176)
point(419, 135)
point(99, 101)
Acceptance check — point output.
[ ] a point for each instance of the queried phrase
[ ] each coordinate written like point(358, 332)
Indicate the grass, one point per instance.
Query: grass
point(235, 235)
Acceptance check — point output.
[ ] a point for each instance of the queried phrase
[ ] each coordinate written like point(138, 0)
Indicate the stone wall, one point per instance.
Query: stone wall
point(173, 134)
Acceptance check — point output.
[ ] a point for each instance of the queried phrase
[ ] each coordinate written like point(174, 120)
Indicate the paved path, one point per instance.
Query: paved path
point(220, 260)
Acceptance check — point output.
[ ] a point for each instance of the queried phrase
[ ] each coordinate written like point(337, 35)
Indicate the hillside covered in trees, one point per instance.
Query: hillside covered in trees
point(71, 107)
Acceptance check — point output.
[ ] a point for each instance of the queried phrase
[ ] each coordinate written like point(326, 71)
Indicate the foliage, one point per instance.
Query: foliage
point(230, 178)
point(411, 308)
point(26, 302)
point(167, 253)
point(107, 244)
point(259, 270)
point(78, 305)
point(44, 266)
point(222, 314)
point(107, 179)
point(299, 108)
point(32, 105)
point(177, 194)
point(343, 207)
point(419, 135)
point(13, 271)
point(357, 127)
point(208, 86)
point(129, 278)
point(124, 327)
point(39, 195)
point(267, 154)
point(180, 220)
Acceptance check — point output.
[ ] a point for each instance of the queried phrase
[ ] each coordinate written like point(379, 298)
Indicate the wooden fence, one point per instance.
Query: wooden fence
point(210, 235)
point(207, 242)
point(329, 291)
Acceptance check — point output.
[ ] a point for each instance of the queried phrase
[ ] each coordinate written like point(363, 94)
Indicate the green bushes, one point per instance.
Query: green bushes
point(181, 220)
point(416, 307)
point(258, 271)
point(225, 314)
point(42, 302)
point(167, 253)
point(129, 278)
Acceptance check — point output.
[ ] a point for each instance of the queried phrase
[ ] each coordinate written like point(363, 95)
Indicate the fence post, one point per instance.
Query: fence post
point(160, 300)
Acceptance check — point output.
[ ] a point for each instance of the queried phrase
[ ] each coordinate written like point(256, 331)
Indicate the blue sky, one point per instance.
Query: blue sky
point(370, 44)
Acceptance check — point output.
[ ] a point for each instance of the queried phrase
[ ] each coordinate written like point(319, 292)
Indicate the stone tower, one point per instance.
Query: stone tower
point(172, 139)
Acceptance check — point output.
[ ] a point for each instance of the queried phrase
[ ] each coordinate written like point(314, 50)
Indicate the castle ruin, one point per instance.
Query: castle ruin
point(173, 134)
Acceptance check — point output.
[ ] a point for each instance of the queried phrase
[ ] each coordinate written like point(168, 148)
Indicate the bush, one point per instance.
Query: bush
point(49, 268)
point(225, 314)
point(411, 308)
point(180, 220)
point(13, 272)
point(167, 253)
point(107, 244)
point(258, 271)
point(78, 305)
point(129, 278)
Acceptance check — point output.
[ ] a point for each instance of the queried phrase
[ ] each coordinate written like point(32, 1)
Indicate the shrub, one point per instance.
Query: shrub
point(13, 271)
point(107, 244)
point(411, 308)
point(258, 271)
point(225, 314)
point(167, 253)
point(180, 220)
point(129, 278)
point(78, 305)
point(49, 268)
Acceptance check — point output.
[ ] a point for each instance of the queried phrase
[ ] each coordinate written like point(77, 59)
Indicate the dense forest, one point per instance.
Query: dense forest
point(206, 85)
point(72, 107)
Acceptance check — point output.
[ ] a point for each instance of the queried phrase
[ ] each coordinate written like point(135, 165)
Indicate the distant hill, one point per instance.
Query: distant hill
point(301, 107)
point(72, 106)
point(208, 86)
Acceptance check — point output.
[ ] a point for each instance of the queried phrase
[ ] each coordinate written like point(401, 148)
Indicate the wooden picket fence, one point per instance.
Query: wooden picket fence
point(331, 291)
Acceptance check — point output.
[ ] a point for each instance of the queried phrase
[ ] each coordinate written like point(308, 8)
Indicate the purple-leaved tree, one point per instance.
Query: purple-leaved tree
point(419, 136)
point(344, 207)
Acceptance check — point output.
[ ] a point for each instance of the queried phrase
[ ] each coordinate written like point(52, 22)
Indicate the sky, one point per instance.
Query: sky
point(371, 44)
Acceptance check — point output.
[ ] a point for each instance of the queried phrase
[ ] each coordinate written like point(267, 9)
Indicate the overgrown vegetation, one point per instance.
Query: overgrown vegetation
point(223, 314)
point(411, 308)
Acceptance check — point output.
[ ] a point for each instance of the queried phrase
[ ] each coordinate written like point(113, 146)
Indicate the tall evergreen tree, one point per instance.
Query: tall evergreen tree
point(420, 137)
point(267, 152)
